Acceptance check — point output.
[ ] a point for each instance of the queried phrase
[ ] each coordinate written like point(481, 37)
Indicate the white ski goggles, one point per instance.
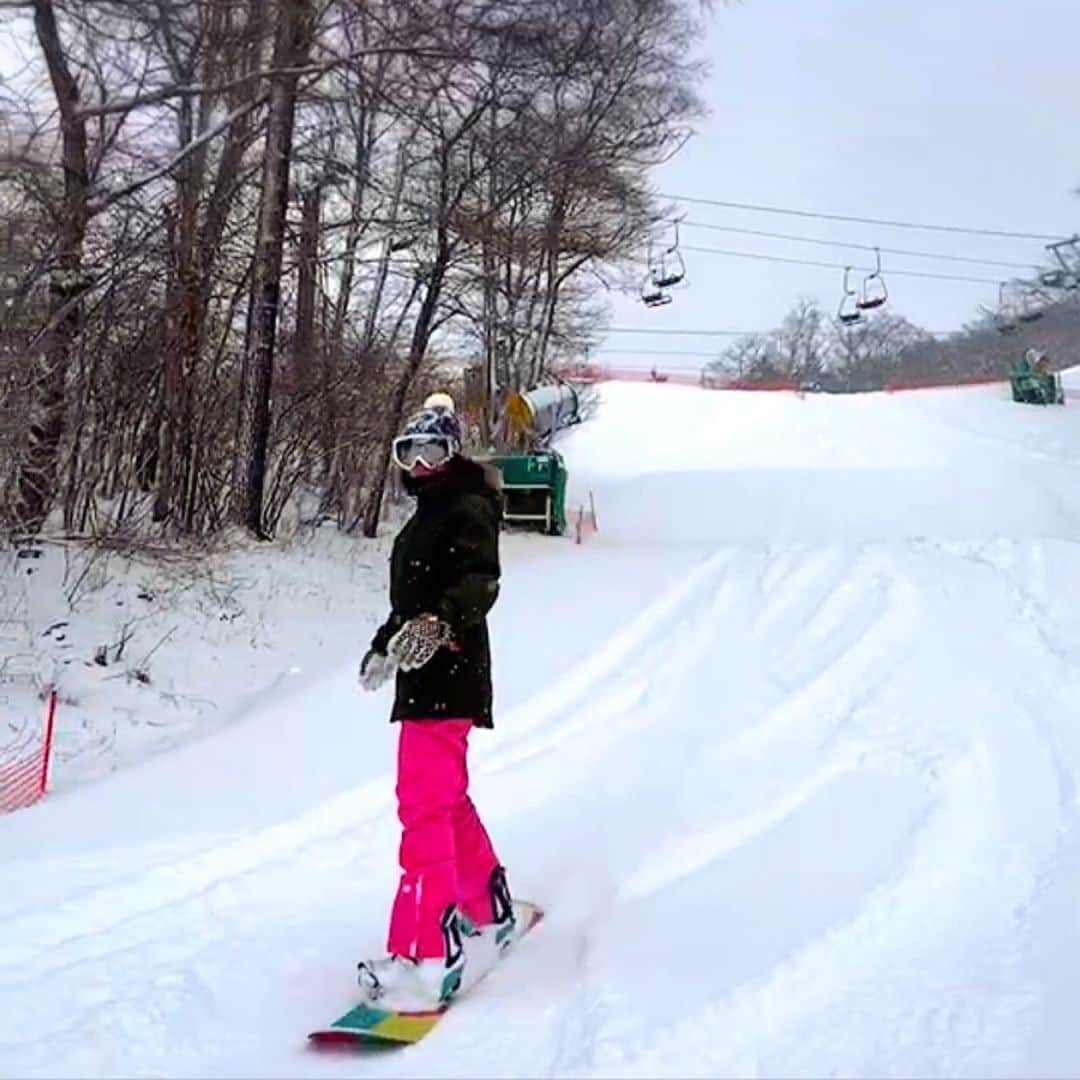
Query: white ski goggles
point(432, 450)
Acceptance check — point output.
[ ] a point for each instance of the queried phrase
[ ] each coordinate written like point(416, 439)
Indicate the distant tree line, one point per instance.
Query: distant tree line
point(814, 349)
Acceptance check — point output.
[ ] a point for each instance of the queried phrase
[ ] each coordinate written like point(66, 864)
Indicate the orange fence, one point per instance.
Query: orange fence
point(24, 768)
point(945, 384)
point(591, 373)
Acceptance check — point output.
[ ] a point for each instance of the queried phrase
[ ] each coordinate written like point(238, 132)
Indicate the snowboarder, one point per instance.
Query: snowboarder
point(444, 578)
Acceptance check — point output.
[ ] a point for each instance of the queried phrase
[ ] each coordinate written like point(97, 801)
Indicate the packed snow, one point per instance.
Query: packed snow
point(788, 752)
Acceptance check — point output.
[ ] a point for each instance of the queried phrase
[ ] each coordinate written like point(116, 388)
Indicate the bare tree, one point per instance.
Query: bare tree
point(468, 173)
point(295, 23)
point(801, 344)
point(38, 475)
point(866, 355)
point(204, 198)
point(750, 358)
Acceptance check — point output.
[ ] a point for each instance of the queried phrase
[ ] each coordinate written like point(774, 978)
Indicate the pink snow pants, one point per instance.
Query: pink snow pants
point(446, 856)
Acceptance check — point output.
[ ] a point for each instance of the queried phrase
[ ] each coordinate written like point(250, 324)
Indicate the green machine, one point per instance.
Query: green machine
point(1033, 383)
point(534, 489)
point(533, 474)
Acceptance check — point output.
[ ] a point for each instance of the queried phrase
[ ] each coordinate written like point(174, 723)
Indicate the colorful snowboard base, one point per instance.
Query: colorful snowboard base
point(368, 1025)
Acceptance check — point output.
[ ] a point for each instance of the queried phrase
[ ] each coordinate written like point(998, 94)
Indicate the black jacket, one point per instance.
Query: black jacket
point(445, 562)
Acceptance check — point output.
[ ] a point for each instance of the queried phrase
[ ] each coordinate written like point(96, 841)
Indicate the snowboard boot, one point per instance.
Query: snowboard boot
point(496, 933)
point(409, 984)
point(502, 907)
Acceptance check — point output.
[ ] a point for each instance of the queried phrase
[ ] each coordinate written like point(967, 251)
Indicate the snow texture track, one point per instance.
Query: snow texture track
point(809, 807)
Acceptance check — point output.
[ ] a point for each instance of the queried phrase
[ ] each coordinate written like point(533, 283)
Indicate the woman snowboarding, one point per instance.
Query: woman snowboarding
point(444, 578)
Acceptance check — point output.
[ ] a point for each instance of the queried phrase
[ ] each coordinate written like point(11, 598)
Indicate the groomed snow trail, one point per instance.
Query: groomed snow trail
point(788, 752)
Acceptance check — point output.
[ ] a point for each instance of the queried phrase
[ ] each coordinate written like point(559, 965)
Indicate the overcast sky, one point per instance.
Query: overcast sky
point(944, 111)
point(959, 112)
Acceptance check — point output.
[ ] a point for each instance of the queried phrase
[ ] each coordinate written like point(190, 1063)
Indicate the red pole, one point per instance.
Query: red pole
point(50, 717)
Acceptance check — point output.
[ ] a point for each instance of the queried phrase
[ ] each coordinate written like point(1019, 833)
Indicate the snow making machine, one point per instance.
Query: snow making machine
point(1033, 383)
point(533, 473)
point(534, 490)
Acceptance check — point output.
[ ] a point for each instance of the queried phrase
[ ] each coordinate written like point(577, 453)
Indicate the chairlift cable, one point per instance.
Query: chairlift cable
point(894, 224)
point(720, 333)
point(696, 333)
point(859, 247)
point(839, 266)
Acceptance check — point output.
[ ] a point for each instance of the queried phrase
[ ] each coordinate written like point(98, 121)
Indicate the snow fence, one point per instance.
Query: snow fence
point(24, 765)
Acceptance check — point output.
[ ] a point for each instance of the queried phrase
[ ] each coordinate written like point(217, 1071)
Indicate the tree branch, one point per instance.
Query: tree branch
point(104, 201)
point(179, 90)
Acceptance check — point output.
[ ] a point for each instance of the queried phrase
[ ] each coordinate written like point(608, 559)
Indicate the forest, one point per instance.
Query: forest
point(239, 239)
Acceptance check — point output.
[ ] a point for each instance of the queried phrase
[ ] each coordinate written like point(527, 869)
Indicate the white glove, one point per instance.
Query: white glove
point(418, 641)
point(375, 669)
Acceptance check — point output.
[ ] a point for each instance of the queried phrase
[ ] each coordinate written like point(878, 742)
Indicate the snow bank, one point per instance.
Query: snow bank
point(147, 653)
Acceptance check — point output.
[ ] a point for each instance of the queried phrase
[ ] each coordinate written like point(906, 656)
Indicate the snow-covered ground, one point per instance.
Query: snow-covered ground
point(788, 752)
point(147, 653)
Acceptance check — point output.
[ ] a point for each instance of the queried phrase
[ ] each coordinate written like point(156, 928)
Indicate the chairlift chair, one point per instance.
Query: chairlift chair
point(1054, 279)
point(655, 299)
point(652, 295)
point(874, 291)
point(1068, 277)
point(1006, 317)
point(652, 292)
point(1033, 305)
point(848, 314)
point(670, 268)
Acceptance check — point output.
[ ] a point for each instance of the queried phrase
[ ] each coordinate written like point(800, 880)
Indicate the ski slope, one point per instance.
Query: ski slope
point(788, 752)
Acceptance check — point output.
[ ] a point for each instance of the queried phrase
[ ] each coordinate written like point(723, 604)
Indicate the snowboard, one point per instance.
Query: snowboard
point(368, 1025)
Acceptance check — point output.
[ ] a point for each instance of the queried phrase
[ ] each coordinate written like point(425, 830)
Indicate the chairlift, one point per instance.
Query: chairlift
point(651, 295)
point(1034, 303)
point(1068, 277)
point(670, 268)
point(1056, 279)
point(848, 313)
point(874, 291)
point(1059, 279)
point(1006, 318)
point(1030, 312)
